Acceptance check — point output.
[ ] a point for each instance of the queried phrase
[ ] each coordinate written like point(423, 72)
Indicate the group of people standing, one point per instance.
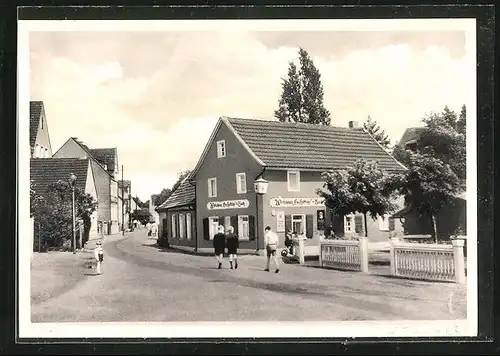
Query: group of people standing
point(226, 238)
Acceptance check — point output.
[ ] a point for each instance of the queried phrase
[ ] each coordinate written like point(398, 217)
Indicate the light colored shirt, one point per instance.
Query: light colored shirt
point(270, 238)
point(98, 251)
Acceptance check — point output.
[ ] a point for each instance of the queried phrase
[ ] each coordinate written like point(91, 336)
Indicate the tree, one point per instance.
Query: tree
point(54, 213)
point(362, 188)
point(428, 185)
point(302, 95)
point(167, 192)
point(376, 132)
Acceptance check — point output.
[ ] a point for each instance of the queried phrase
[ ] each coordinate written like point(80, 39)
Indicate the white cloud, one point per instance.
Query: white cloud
point(157, 98)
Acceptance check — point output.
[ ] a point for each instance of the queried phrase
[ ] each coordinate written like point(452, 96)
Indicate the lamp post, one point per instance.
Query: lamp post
point(260, 188)
point(72, 182)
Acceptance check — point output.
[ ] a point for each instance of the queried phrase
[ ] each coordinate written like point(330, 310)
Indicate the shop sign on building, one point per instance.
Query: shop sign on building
point(279, 202)
point(280, 221)
point(228, 204)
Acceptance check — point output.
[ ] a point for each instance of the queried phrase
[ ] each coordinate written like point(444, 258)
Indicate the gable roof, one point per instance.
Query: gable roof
point(36, 109)
point(106, 156)
point(283, 145)
point(45, 171)
point(411, 134)
point(183, 195)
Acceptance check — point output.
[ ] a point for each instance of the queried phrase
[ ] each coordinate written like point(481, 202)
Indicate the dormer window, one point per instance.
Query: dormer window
point(221, 149)
point(293, 178)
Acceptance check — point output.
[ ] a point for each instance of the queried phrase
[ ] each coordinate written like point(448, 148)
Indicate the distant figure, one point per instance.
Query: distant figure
point(232, 243)
point(154, 228)
point(99, 256)
point(149, 228)
point(271, 243)
point(219, 243)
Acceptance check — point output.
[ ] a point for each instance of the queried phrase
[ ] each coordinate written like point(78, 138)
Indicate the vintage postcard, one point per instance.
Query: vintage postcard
point(247, 178)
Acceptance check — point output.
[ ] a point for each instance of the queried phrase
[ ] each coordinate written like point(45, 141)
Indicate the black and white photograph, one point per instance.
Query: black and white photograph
point(247, 178)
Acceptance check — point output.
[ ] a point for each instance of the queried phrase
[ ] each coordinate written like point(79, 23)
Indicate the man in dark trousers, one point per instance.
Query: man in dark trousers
point(232, 243)
point(219, 243)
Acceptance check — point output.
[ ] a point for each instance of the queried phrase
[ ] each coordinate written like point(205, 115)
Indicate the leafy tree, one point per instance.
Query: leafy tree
point(54, 213)
point(376, 132)
point(428, 185)
point(362, 188)
point(302, 95)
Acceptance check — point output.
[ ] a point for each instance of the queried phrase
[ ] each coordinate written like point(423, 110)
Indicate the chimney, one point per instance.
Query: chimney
point(353, 124)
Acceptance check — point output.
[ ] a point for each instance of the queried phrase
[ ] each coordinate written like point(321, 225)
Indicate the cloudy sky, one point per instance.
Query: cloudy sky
point(156, 96)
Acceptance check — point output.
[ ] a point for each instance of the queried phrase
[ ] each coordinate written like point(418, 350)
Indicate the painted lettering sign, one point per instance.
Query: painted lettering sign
point(228, 204)
point(296, 202)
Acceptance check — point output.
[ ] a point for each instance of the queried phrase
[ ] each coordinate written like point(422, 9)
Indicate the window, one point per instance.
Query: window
point(383, 223)
point(213, 225)
point(349, 223)
point(298, 224)
point(243, 227)
point(241, 183)
point(173, 227)
point(221, 149)
point(212, 187)
point(293, 181)
point(182, 227)
point(188, 226)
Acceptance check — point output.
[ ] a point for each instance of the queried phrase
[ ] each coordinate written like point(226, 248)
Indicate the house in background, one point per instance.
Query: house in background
point(44, 172)
point(39, 131)
point(125, 201)
point(291, 157)
point(107, 187)
point(177, 216)
point(152, 210)
point(451, 219)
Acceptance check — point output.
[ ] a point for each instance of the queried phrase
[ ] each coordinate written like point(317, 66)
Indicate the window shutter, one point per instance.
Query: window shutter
point(391, 224)
point(358, 224)
point(206, 230)
point(251, 227)
point(288, 222)
point(234, 223)
point(309, 226)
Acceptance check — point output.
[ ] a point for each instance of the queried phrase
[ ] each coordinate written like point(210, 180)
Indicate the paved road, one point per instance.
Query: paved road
point(144, 283)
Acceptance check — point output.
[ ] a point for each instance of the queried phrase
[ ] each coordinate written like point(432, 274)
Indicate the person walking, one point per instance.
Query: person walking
point(219, 243)
point(271, 243)
point(99, 256)
point(232, 243)
point(149, 228)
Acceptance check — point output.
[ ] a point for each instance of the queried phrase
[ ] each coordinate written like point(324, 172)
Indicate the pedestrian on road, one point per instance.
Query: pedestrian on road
point(99, 256)
point(219, 243)
point(149, 228)
point(232, 243)
point(271, 243)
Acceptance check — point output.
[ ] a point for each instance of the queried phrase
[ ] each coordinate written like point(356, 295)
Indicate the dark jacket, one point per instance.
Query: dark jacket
point(219, 242)
point(232, 243)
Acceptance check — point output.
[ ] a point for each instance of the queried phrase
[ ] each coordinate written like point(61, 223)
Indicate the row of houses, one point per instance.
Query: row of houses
point(291, 158)
point(97, 171)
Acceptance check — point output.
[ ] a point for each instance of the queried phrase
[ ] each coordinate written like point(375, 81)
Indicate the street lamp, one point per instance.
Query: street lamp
point(260, 188)
point(72, 182)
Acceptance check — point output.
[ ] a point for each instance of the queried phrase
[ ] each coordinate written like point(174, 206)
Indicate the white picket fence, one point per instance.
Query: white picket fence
point(434, 262)
point(344, 254)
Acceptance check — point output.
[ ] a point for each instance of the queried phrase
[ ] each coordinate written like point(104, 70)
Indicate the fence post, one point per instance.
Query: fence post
point(392, 249)
point(320, 254)
point(458, 259)
point(300, 250)
point(363, 250)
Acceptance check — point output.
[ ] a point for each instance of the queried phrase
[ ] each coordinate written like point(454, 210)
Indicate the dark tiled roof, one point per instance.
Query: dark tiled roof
point(298, 145)
point(89, 153)
point(183, 195)
point(36, 109)
point(126, 184)
point(106, 156)
point(410, 134)
point(45, 171)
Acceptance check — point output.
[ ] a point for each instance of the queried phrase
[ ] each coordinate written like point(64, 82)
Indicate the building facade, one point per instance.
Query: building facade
point(39, 132)
point(291, 157)
point(109, 219)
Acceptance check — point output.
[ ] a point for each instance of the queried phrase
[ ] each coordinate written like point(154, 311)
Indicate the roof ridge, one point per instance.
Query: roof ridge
point(289, 123)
